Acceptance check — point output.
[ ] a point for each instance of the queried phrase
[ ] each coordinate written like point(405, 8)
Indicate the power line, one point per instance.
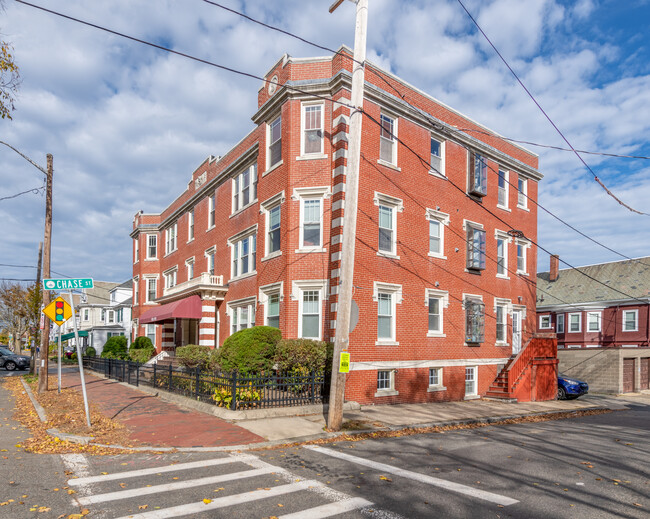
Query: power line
point(34, 190)
point(378, 123)
point(549, 118)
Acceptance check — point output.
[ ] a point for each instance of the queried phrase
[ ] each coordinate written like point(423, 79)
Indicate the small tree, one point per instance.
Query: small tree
point(141, 343)
point(249, 351)
point(115, 348)
point(91, 352)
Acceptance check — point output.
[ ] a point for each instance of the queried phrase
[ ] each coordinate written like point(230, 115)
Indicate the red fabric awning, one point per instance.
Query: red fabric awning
point(188, 308)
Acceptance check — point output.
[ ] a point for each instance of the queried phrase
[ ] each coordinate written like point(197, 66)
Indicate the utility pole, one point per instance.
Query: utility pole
point(47, 240)
point(39, 315)
point(342, 336)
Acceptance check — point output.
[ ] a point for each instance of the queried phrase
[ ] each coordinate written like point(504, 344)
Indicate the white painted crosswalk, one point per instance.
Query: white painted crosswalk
point(259, 481)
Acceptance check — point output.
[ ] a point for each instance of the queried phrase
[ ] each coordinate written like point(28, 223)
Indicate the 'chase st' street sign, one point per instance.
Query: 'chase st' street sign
point(67, 284)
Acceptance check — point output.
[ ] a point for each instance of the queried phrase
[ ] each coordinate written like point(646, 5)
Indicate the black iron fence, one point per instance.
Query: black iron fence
point(229, 390)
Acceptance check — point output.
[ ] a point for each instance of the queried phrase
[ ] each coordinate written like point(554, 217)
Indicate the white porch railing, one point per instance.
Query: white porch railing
point(160, 356)
point(204, 279)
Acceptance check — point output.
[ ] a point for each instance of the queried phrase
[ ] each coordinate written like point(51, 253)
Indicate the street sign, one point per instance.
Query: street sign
point(58, 311)
point(67, 284)
point(344, 364)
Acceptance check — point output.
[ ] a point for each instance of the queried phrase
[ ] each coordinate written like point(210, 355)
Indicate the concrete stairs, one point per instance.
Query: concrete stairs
point(499, 388)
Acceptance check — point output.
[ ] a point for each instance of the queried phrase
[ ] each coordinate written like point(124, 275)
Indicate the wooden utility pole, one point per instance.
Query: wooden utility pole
point(342, 336)
point(47, 240)
point(39, 315)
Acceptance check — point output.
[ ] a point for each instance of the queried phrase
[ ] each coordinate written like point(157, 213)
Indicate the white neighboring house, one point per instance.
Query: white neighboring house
point(102, 312)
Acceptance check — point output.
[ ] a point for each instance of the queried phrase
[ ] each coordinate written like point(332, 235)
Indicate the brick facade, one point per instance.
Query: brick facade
point(401, 194)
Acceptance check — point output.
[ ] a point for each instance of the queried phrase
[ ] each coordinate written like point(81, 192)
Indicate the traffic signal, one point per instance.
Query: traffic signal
point(58, 317)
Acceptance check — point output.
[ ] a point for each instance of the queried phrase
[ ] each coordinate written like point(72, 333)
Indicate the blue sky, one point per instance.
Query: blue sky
point(127, 124)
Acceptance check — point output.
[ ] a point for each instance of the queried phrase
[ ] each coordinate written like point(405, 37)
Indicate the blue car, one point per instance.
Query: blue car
point(569, 388)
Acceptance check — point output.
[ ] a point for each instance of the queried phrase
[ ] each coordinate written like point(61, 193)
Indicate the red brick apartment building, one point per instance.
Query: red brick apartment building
point(602, 322)
point(446, 294)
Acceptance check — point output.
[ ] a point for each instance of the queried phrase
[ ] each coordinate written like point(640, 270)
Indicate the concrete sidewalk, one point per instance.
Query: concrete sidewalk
point(157, 419)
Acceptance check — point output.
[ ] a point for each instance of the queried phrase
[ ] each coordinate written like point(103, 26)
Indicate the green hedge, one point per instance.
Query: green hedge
point(91, 352)
point(115, 348)
point(302, 356)
point(141, 355)
point(141, 343)
point(249, 351)
point(192, 356)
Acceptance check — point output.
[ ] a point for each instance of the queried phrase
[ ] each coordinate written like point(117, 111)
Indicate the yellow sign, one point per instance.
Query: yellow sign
point(58, 311)
point(344, 364)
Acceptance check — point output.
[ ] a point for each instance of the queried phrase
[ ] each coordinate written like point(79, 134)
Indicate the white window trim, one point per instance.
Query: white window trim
point(474, 395)
point(579, 330)
point(136, 252)
point(252, 179)
point(636, 321)
point(390, 391)
point(393, 162)
point(396, 291)
point(443, 172)
point(245, 234)
point(86, 314)
point(270, 168)
point(166, 275)
point(503, 235)
point(397, 204)
point(525, 193)
point(443, 218)
point(443, 297)
point(525, 244)
point(440, 386)
point(147, 257)
point(550, 324)
point(297, 289)
point(507, 303)
point(188, 262)
point(301, 194)
point(136, 280)
point(171, 239)
point(557, 323)
point(598, 321)
point(235, 306)
point(191, 228)
point(212, 207)
point(212, 251)
point(320, 154)
point(265, 209)
point(267, 291)
point(506, 177)
point(574, 346)
point(146, 278)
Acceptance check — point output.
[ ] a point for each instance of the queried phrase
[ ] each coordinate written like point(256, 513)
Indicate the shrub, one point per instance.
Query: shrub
point(247, 397)
point(249, 351)
point(91, 352)
point(302, 356)
point(141, 343)
point(115, 348)
point(141, 355)
point(192, 356)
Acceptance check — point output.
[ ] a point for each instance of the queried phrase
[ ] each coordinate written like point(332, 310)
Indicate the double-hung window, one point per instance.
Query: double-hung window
point(522, 247)
point(630, 320)
point(136, 249)
point(388, 139)
point(244, 252)
point(384, 380)
point(502, 253)
point(190, 225)
point(544, 322)
point(211, 210)
point(435, 377)
point(522, 193)
point(152, 246)
point(151, 289)
point(387, 296)
point(189, 265)
point(242, 314)
point(136, 282)
point(170, 278)
point(170, 238)
point(387, 223)
point(470, 381)
point(436, 300)
point(437, 156)
point(559, 323)
point(272, 209)
point(273, 311)
point(244, 188)
point(474, 320)
point(503, 189)
point(575, 322)
point(477, 174)
point(275, 142)
point(437, 222)
point(86, 314)
point(475, 246)
point(502, 322)
point(312, 200)
point(209, 255)
point(593, 321)
point(312, 129)
point(310, 295)
point(150, 331)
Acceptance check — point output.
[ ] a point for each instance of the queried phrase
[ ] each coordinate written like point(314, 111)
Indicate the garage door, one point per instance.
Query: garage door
point(628, 375)
point(644, 381)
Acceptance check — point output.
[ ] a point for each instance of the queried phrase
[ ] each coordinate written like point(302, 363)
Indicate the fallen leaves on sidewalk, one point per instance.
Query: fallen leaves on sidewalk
point(65, 412)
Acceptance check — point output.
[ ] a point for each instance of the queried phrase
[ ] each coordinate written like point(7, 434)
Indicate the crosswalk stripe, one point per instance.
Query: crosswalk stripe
point(222, 502)
point(157, 470)
point(330, 509)
point(416, 476)
point(167, 487)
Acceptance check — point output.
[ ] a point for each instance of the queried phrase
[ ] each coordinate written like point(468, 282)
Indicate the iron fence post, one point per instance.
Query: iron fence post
point(233, 381)
point(313, 387)
point(198, 379)
point(137, 374)
point(169, 382)
point(154, 375)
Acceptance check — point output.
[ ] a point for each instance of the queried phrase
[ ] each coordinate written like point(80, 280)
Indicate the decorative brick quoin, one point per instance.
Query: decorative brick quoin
point(445, 268)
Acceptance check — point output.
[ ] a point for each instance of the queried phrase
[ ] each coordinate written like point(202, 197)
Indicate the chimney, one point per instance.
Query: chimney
point(555, 267)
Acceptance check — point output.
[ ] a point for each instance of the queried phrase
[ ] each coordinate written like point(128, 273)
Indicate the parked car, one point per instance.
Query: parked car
point(11, 360)
point(569, 388)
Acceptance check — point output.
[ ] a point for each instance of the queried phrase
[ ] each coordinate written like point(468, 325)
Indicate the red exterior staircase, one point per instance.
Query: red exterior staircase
point(531, 375)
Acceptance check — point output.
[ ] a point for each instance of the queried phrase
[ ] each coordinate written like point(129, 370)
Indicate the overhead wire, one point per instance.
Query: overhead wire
point(293, 88)
point(34, 190)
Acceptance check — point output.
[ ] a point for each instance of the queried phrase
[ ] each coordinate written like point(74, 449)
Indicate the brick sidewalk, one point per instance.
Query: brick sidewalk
point(155, 422)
